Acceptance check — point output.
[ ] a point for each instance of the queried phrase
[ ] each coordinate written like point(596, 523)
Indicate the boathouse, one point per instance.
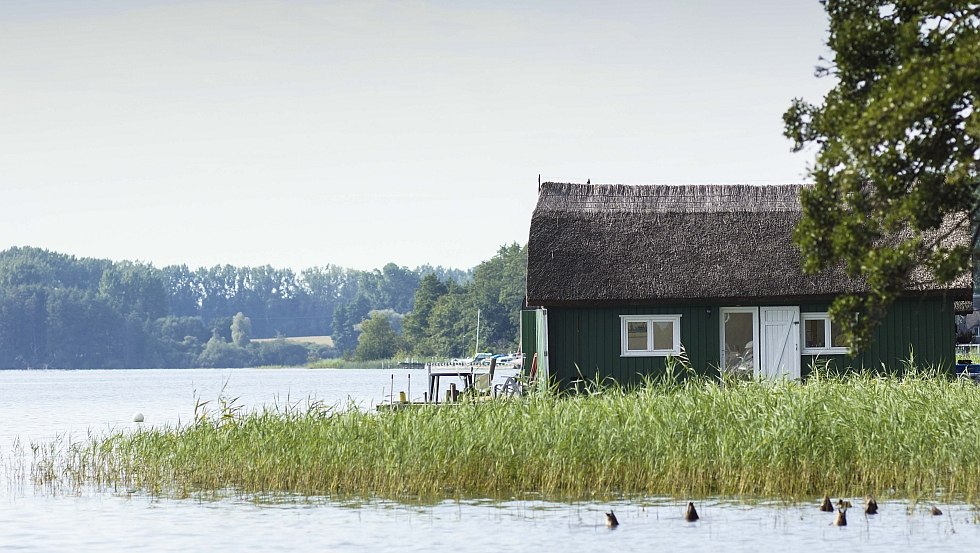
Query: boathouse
point(620, 277)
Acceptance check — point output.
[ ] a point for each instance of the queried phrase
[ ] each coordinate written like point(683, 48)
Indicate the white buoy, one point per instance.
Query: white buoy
point(137, 417)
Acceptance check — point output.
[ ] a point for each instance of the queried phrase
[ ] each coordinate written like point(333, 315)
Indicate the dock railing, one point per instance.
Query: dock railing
point(967, 350)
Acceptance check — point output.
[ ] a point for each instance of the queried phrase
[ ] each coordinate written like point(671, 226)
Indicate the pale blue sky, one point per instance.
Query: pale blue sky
point(357, 133)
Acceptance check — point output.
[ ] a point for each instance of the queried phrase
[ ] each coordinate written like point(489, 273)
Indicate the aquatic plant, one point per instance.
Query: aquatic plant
point(854, 435)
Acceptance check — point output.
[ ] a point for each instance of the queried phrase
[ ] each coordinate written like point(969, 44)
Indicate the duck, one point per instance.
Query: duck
point(691, 514)
point(841, 519)
point(611, 520)
point(935, 511)
point(826, 506)
point(870, 505)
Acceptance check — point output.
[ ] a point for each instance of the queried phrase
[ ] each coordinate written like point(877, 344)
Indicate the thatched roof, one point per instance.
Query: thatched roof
point(605, 244)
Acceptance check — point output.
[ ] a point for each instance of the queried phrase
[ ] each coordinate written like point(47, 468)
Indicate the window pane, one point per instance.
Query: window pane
point(836, 339)
point(739, 343)
point(814, 332)
point(663, 335)
point(636, 336)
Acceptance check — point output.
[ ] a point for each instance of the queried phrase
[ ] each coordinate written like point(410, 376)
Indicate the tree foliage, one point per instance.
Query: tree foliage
point(241, 329)
point(378, 338)
point(346, 319)
point(897, 140)
point(444, 321)
point(60, 311)
point(452, 325)
point(498, 290)
point(135, 288)
point(416, 324)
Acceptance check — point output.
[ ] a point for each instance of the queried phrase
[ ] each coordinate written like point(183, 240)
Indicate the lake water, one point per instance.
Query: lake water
point(43, 405)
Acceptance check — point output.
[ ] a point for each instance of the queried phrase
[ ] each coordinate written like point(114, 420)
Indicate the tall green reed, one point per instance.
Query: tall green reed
point(846, 435)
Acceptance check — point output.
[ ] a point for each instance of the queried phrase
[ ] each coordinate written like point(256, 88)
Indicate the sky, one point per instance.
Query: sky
point(300, 134)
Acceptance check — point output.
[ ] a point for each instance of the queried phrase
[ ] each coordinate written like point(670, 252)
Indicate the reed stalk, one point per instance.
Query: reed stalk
point(848, 436)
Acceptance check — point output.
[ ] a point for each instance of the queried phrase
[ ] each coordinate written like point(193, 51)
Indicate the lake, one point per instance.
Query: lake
point(46, 405)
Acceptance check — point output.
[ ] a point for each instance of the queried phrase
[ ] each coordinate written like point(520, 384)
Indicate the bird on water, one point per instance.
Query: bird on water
point(826, 506)
point(691, 514)
point(841, 519)
point(611, 520)
point(870, 506)
point(935, 511)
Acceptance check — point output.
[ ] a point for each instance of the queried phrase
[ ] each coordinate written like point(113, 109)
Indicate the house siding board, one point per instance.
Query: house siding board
point(924, 325)
point(529, 335)
point(585, 341)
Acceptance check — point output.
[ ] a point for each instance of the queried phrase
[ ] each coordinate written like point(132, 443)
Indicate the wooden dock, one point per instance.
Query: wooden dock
point(393, 407)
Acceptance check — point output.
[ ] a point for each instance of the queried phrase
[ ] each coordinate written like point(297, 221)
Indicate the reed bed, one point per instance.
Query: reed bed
point(341, 363)
point(909, 437)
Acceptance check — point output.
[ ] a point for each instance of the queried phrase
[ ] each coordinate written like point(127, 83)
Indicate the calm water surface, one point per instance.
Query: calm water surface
point(42, 405)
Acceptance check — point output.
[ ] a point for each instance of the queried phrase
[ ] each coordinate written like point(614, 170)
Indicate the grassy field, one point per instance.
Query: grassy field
point(316, 340)
point(843, 436)
point(340, 363)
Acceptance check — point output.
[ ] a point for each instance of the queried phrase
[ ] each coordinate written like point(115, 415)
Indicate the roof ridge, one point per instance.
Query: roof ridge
point(669, 198)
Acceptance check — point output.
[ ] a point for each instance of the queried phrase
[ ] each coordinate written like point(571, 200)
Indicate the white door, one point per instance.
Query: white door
point(780, 337)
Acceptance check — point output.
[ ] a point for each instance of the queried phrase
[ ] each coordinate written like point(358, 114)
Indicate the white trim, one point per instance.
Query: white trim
point(827, 349)
point(755, 334)
point(544, 365)
point(675, 320)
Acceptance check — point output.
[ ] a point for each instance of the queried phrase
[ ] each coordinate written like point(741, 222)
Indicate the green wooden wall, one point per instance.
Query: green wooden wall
point(529, 335)
point(923, 327)
point(584, 343)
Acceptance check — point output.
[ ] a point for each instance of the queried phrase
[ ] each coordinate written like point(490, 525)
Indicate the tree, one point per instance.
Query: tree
point(897, 170)
point(498, 290)
point(135, 288)
point(183, 288)
point(346, 317)
point(178, 328)
point(281, 352)
point(218, 353)
point(416, 323)
point(241, 329)
point(23, 319)
point(378, 339)
point(452, 324)
point(83, 331)
point(327, 286)
point(396, 286)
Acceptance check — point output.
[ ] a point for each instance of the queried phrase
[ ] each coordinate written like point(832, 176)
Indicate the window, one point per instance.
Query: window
point(650, 335)
point(821, 336)
point(739, 336)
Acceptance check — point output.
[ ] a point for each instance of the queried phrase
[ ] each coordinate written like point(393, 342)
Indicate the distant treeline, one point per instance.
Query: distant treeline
point(60, 311)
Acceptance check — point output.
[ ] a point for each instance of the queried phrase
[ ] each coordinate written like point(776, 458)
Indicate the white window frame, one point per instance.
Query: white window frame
point(827, 324)
point(624, 320)
point(756, 355)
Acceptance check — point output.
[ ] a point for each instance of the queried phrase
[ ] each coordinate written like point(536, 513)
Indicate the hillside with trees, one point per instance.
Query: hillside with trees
point(60, 311)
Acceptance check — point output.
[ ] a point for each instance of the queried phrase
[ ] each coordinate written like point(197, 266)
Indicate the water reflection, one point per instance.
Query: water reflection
point(99, 521)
